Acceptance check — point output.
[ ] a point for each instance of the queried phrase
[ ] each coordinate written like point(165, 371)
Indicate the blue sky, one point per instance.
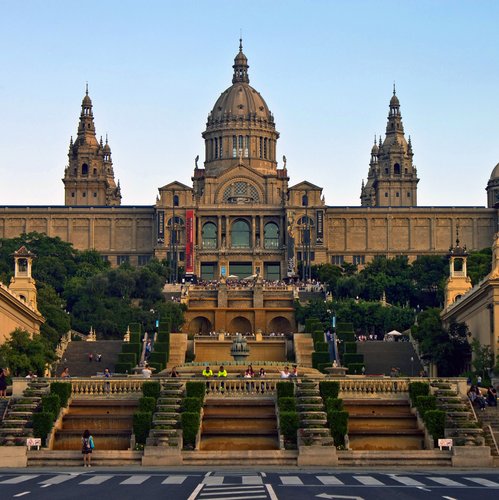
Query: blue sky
point(325, 68)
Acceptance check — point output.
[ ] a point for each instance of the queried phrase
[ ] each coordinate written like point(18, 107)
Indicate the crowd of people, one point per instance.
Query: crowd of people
point(481, 399)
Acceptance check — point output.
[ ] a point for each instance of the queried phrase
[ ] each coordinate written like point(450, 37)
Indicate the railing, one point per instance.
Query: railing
point(106, 387)
point(241, 387)
point(491, 431)
point(363, 387)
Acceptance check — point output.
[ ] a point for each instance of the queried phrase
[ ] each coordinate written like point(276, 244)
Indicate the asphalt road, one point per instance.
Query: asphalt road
point(359, 484)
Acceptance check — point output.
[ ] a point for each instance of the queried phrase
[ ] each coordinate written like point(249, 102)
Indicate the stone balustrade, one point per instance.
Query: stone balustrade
point(350, 388)
point(241, 387)
point(126, 387)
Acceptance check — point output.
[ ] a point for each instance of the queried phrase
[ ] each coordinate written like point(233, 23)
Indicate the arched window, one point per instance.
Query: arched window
point(271, 238)
point(178, 230)
point(209, 235)
point(306, 228)
point(304, 200)
point(234, 146)
point(84, 169)
point(240, 236)
point(175, 200)
point(240, 192)
point(396, 169)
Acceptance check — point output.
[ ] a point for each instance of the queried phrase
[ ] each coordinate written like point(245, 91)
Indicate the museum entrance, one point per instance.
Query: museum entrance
point(240, 269)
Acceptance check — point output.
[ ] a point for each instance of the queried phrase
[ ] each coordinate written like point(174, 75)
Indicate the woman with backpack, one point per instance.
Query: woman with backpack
point(87, 445)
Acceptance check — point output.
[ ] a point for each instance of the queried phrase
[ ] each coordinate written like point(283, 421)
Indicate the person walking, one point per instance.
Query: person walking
point(87, 446)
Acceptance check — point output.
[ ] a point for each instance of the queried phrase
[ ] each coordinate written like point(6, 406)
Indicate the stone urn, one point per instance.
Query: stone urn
point(239, 349)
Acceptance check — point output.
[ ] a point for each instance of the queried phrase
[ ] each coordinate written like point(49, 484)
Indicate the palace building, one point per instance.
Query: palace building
point(241, 215)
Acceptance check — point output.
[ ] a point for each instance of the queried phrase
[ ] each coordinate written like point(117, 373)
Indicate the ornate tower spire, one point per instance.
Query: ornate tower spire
point(240, 66)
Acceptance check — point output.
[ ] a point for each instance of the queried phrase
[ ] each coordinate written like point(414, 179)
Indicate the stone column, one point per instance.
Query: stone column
point(262, 232)
point(253, 231)
point(219, 231)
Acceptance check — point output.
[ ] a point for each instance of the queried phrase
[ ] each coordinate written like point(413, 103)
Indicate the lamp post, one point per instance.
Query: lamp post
point(412, 366)
point(333, 351)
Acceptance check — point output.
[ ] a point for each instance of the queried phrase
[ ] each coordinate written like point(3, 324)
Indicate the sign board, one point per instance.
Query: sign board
point(223, 271)
point(161, 226)
point(445, 443)
point(33, 442)
point(189, 242)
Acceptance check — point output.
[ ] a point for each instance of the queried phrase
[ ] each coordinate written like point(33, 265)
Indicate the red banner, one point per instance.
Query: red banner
point(189, 242)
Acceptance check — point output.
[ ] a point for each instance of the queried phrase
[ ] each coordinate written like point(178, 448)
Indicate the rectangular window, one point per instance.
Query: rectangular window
point(246, 148)
point(234, 146)
point(298, 256)
point(261, 147)
point(105, 258)
point(121, 259)
point(359, 259)
point(220, 149)
point(216, 148)
point(143, 259)
point(181, 256)
point(312, 256)
point(408, 195)
point(386, 195)
point(272, 271)
point(209, 271)
point(337, 260)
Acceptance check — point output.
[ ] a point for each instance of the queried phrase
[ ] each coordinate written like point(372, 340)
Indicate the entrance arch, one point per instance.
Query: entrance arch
point(240, 324)
point(200, 324)
point(279, 324)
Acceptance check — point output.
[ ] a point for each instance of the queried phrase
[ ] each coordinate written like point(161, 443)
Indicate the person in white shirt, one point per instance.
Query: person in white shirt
point(146, 372)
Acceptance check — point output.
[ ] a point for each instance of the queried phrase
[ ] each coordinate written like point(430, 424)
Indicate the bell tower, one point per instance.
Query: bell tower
point(458, 282)
point(89, 176)
point(22, 283)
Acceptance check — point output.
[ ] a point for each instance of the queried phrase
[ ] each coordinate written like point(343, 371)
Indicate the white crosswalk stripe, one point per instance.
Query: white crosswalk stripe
point(96, 479)
point(445, 481)
point(232, 492)
point(213, 480)
point(407, 481)
point(174, 480)
point(329, 480)
point(19, 479)
point(61, 478)
point(482, 482)
point(291, 480)
point(138, 479)
point(368, 480)
point(252, 480)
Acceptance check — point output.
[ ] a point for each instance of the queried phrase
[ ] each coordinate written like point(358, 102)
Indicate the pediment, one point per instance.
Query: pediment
point(304, 185)
point(175, 186)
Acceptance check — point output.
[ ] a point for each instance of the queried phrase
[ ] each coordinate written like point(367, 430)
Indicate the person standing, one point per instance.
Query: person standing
point(107, 383)
point(222, 374)
point(3, 384)
point(87, 446)
point(146, 371)
point(65, 373)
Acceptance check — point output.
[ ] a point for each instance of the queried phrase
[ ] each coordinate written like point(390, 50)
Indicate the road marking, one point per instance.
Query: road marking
point(197, 489)
point(408, 481)
point(445, 481)
point(56, 480)
point(96, 479)
point(138, 479)
point(18, 479)
point(368, 480)
point(213, 480)
point(291, 480)
point(271, 491)
point(239, 497)
point(174, 480)
point(344, 497)
point(242, 489)
point(449, 498)
point(22, 494)
point(329, 480)
point(482, 481)
point(252, 480)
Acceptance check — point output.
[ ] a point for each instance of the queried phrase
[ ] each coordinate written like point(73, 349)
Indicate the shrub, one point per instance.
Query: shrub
point(51, 404)
point(318, 336)
point(142, 422)
point(319, 358)
point(135, 338)
point(127, 357)
point(342, 327)
point(333, 404)
point(161, 347)
point(63, 390)
point(128, 347)
point(321, 347)
point(195, 390)
point(338, 422)
point(312, 324)
point(190, 427)
point(435, 423)
point(163, 337)
point(418, 389)
point(350, 347)
point(158, 357)
point(346, 336)
point(156, 367)
point(322, 367)
point(151, 389)
point(425, 403)
point(123, 367)
point(286, 404)
point(42, 425)
point(288, 423)
point(192, 405)
point(147, 404)
point(329, 389)
point(355, 368)
point(349, 358)
point(285, 390)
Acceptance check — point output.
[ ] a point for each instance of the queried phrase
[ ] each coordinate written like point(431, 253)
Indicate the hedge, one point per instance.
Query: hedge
point(321, 347)
point(338, 422)
point(135, 338)
point(163, 337)
point(329, 389)
point(333, 404)
point(435, 423)
point(63, 390)
point(51, 404)
point(288, 424)
point(129, 347)
point(425, 403)
point(418, 389)
point(190, 427)
point(195, 390)
point(124, 367)
point(159, 357)
point(322, 367)
point(317, 336)
point(319, 357)
point(355, 368)
point(350, 347)
point(151, 389)
point(346, 336)
point(142, 422)
point(42, 425)
point(192, 405)
point(286, 404)
point(344, 327)
point(127, 357)
point(147, 404)
point(312, 324)
point(135, 328)
point(156, 367)
point(349, 358)
point(285, 390)
point(161, 347)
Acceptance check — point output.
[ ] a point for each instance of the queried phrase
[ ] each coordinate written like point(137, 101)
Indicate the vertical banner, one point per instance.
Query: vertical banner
point(319, 218)
point(161, 227)
point(189, 242)
point(290, 246)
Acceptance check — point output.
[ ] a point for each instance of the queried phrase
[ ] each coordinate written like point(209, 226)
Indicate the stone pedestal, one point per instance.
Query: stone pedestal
point(324, 456)
point(471, 456)
point(13, 456)
point(337, 371)
point(162, 455)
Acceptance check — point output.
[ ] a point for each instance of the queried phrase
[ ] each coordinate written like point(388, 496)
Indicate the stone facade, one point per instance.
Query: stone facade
point(241, 216)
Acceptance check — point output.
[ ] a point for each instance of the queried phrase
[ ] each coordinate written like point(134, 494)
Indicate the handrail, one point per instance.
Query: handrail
point(493, 438)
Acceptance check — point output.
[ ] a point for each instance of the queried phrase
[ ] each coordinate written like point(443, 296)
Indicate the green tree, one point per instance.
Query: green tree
point(479, 264)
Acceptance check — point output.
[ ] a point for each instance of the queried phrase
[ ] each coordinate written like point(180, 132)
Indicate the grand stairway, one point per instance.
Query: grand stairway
point(380, 357)
point(76, 357)
point(490, 417)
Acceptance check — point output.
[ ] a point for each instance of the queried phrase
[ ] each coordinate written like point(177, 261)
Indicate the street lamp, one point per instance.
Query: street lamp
point(412, 366)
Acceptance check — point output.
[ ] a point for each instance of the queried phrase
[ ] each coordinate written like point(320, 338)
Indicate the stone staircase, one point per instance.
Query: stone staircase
point(76, 357)
point(380, 357)
point(178, 348)
point(17, 425)
point(166, 418)
point(313, 429)
point(304, 347)
point(73, 458)
point(490, 416)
